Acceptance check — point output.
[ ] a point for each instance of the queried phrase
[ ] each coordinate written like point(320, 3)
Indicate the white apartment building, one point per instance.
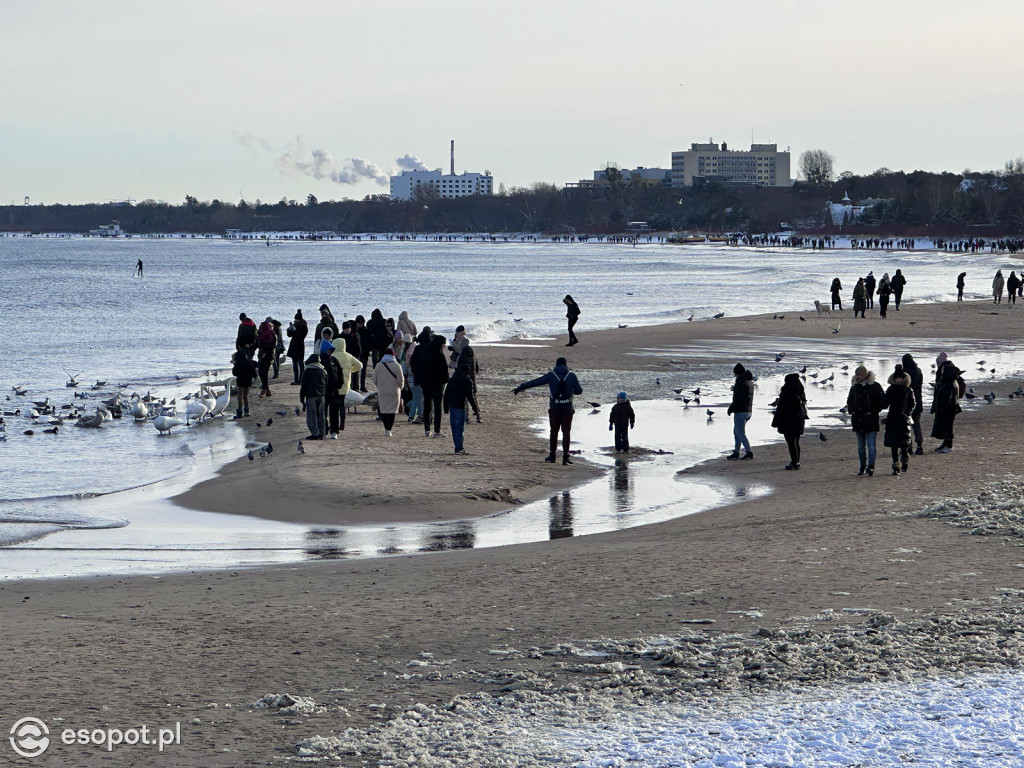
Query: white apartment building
point(446, 185)
point(639, 176)
point(763, 164)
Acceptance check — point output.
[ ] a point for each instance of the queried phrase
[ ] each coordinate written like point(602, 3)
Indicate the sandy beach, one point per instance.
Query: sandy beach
point(370, 640)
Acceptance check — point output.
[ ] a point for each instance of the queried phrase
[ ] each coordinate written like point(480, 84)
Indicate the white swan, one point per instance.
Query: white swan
point(353, 398)
point(194, 412)
point(95, 420)
point(139, 410)
point(207, 398)
point(165, 423)
point(224, 399)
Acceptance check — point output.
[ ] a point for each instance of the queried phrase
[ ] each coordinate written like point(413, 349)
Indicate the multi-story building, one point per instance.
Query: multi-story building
point(639, 176)
point(763, 164)
point(446, 185)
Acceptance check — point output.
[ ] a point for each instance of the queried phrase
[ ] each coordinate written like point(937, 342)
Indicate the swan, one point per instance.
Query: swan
point(224, 399)
point(195, 411)
point(139, 410)
point(207, 398)
point(353, 399)
point(91, 421)
point(165, 423)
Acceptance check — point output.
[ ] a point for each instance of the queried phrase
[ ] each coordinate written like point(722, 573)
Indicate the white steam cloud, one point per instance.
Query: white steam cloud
point(322, 164)
point(409, 163)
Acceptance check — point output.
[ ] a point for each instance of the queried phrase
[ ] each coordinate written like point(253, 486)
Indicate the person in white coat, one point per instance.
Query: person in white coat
point(389, 380)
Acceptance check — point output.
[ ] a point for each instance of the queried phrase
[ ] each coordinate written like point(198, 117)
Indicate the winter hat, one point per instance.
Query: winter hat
point(621, 395)
point(862, 373)
point(739, 369)
point(460, 329)
point(243, 316)
point(399, 336)
point(943, 357)
point(561, 361)
point(908, 361)
point(312, 359)
point(389, 351)
point(298, 314)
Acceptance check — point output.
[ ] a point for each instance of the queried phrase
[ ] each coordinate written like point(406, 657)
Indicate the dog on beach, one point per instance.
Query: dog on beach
point(822, 309)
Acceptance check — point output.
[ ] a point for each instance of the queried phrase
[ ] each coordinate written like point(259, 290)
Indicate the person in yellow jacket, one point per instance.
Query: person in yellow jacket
point(349, 365)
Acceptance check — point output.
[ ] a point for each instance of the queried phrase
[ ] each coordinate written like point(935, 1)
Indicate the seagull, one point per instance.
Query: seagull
point(813, 375)
point(844, 410)
point(251, 457)
point(992, 371)
point(596, 410)
point(657, 382)
point(775, 317)
point(845, 368)
point(970, 393)
point(594, 405)
point(779, 356)
point(803, 319)
point(990, 397)
point(678, 391)
point(696, 391)
point(719, 316)
point(913, 322)
point(689, 319)
point(831, 377)
point(517, 319)
point(782, 317)
point(804, 369)
point(823, 437)
point(686, 402)
point(838, 327)
point(981, 362)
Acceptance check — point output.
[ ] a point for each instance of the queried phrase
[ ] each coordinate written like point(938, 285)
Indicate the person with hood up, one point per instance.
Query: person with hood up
point(960, 280)
point(1012, 286)
point(562, 384)
point(266, 339)
point(572, 314)
point(350, 367)
point(326, 321)
point(312, 394)
point(407, 326)
point(740, 408)
point(949, 388)
point(351, 339)
point(378, 335)
point(621, 419)
point(333, 402)
point(860, 299)
point(884, 292)
point(790, 415)
point(389, 381)
point(457, 392)
point(997, 287)
point(364, 349)
point(898, 436)
point(835, 288)
point(297, 332)
point(898, 283)
point(245, 341)
point(864, 403)
point(432, 375)
point(911, 369)
point(869, 289)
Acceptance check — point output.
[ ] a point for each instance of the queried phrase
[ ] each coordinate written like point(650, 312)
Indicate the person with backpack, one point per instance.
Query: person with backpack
point(562, 384)
point(864, 402)
point(572, 314)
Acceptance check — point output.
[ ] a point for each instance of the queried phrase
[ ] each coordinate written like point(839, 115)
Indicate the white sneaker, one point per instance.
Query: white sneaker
point(332, 436)
point(387, 433)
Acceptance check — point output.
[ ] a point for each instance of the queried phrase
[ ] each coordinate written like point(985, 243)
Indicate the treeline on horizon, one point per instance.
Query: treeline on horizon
point(919, 204)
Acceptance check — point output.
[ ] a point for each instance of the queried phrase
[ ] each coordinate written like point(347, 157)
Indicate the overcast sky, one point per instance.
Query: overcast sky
point(106, 100)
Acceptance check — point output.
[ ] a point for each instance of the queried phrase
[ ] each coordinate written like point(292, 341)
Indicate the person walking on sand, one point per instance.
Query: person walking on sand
point(860, 299)
point(297, 331)
point(457, 392)
point(864, 402)
point(621, 419)
point(350, 366)
point(949, 388)
point(138, 269)
point(960, 286)
point(389, 381)
point(869, 289)
point(790, 415)
point(898, 283)
point(997, 287)
point(913, 370)
point(740, 409)
point(562, 384)
point(1012, 286)
point(837, 300)
point(364, 349)
point(333, 402)
point(312, 394)
point(243, 369)
point(572, 314)
point(898, 436)
point(884, 292)
point(432, 376)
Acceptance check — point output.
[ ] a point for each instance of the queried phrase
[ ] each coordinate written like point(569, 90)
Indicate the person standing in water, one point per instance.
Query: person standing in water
point(562, 384)
point(572, 314)
point(138, 269)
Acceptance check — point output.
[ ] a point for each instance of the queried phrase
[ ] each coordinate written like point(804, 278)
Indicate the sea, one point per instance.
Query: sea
point(96, 501)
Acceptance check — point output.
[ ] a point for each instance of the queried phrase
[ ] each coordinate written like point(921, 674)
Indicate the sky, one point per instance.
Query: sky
point(252, 99)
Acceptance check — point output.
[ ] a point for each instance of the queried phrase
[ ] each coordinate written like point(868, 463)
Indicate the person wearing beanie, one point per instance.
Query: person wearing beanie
point(911, 368)
point(864, 402)
point(312, 395)
point(621, 419)
point(898, 422)
point(562, 384)
point(389, 381)
point(790, 415)
point(326, 321)
point(740, 409)
point(297, 331)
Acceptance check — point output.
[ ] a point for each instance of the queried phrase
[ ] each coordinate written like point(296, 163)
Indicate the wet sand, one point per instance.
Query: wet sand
point(352, 635)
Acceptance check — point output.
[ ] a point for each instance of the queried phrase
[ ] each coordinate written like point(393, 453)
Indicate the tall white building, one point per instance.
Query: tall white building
point(446, 185)
point(763, 164)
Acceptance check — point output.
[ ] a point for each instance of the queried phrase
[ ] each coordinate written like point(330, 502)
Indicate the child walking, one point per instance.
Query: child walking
point(621, 419)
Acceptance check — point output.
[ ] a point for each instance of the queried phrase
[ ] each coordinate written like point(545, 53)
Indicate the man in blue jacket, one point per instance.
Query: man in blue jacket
point(563, 384)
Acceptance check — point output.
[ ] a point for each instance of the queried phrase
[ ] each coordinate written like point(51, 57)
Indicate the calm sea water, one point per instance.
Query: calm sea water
point(73, 305)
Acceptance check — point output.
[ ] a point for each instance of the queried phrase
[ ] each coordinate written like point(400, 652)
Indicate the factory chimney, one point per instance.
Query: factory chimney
point(453, 157)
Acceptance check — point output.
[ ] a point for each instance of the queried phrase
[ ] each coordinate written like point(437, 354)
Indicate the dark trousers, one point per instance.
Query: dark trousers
point(900, 454)
point(959, 294)
point(622, 437)
point(298, 366)
point(336, 412)
point(793, 443)
point(263, 365)
point(897, 296)
point(388, 420)
point(918, 434)
point(432, 400)
point(362, 374)
point(560, 419)
point(572, 336)
point(354, 385)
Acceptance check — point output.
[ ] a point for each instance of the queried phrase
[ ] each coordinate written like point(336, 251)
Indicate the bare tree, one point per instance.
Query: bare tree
point(816, 166)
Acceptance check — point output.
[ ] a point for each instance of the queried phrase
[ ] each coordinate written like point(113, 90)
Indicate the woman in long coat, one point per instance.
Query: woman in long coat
point(997, 287)
point(297, 346)
point(899, 435)
point(389, 379)
point(790, 415)
point(946, 404)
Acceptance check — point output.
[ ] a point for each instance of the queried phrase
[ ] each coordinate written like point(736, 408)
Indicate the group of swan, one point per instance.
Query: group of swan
point(207, 404)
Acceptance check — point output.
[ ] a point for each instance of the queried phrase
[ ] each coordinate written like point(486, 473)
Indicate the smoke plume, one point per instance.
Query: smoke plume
point(322, 164)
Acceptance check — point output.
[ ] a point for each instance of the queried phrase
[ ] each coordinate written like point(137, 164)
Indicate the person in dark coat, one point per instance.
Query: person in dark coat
point(898, 422)
point(432, 376)
point(379, 336)
point(333, 402)
point(960, 286)
point(352, 346)
point(245, 341)
point(457, 392)
point(244, 371)
point(869, 289)
point(884, 292)
point(911, 368)
point(621, 419)
point(860, 299)
point(740, 409)
point(562, 385)
point(1012, 286)
point(572, 313)
point(865, 401)
point(326, 321)
point(790, 415)
point(312, 393)
point(946, 403)
point(898, 283)
point(467, 359)
point(837, 300)
point(266, 339)
point(364, 349)
point(297, 332)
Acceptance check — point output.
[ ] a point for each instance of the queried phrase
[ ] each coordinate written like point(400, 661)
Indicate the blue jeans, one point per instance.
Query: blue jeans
point(739, 431)
point(416, 406)
point(866, 439)
point(458, 422)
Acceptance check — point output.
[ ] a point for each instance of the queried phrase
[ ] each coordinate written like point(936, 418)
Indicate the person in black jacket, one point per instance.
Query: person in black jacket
point(837, 300)
point(621, 419)
point(326, 321)
point(898, 421)
point(334, 402)
point(790, 415)
point(869, 289)
point(352, 346)
point(245, 341)
point(364, 349)
point(572, 313)
point(911, 369)
point(949, 388)
point(432, 375)
point(380, 338)
point(1012, 286)
point(562, 384)
point(898, 283)
point(740, 409)
point(297, 331)
point(960, 280)
point(459, 390)
point(244, 371)
point(865, 401)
